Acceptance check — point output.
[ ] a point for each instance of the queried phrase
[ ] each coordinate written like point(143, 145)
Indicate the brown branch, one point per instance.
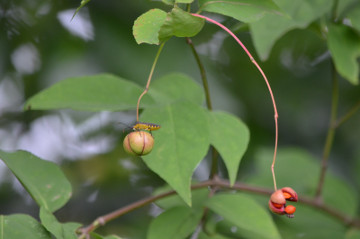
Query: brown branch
point(216, 182)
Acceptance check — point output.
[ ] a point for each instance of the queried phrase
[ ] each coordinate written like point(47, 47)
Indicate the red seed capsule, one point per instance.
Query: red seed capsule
point(278, 197)
point(277, 208)
point(290, 194)
point(277, 202)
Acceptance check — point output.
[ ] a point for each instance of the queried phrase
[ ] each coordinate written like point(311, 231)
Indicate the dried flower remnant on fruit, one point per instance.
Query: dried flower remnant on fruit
point(138, 143)
point(277, 202)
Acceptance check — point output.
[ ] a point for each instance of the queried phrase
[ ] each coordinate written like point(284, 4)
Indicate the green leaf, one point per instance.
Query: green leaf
point(21, 226)
point(112, 237)
point(90, 93)
point(354, 16)
point(287, 160)
point(146, 27)
point(171, 2)
point(230, 137)
point(59, 230)
point(353, 234)
point(245, 213)
point(345, 6)
point(82, 4)
point(174, 87)
point(97, 236)
point(242, 10)
point(344, 45)
point(180, 144)
point(175, 223)
point(270, 28)
point(211, 229)
point(44, 180)
point(184, 1)
point(307, 223)
point(168, 2)
point(180, 24)
point(203, 235)
point(298, 169)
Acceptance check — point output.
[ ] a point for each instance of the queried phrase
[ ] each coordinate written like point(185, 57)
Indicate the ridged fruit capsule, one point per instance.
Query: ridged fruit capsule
point(277, 202)
point(277, 208)
point(278, 197)
point(138, 143)
point(289, 194)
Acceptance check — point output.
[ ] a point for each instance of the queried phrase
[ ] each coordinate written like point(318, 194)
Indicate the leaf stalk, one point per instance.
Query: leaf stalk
point(267, 83)
point(149, 79)
point(330, 134)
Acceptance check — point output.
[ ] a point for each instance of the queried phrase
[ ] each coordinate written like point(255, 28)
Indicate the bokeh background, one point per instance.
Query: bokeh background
point(40, 45)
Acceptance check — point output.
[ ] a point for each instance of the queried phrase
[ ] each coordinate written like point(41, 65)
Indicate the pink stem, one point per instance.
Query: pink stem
point(266, 81)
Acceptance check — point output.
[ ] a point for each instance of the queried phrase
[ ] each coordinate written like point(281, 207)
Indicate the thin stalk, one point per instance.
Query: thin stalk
point(330, 134)
point(102, 220)
point(215, 154)
point(267, 83)
point(334, 14)
point(188, 7)
point(348, 115)
point(219, 183)
point(149, 80)
point(202, 73)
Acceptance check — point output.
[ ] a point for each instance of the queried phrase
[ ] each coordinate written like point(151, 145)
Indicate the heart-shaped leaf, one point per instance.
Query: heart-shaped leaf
point(175, 223)
point(299, 14)
point(90, 93)
point(180, 24)
point(21, 226)
point(180, 144)
point(230, 137)
point(354, 16)
point(156, 26)
point(44, 180)
point(59, 230)
point(242, 10)
point(344, 45)
point(176, 86)
point(146, 27)
point(184, 1)
point(245, 213)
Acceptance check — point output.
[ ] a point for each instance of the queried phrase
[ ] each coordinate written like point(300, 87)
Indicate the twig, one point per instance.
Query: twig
point(216, 182)
point(266, 81)
point(149, 80)
point(202, 73)
point(348, 115)
point(330, 134)
point(102, 220)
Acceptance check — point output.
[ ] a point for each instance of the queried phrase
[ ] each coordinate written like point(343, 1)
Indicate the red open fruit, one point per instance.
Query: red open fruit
point(277, 202)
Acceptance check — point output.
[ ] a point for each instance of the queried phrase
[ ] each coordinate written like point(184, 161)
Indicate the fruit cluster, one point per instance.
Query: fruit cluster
point(277, 202)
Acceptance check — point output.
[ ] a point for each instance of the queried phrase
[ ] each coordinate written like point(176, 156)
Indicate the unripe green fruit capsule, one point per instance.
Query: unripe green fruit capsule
point(138, 143)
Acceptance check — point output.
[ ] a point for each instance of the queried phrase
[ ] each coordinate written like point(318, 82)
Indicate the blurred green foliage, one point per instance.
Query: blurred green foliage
point(40, 46)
